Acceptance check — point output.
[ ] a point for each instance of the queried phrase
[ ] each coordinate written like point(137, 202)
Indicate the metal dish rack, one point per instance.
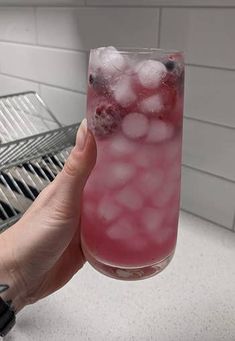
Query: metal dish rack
point(33, 149)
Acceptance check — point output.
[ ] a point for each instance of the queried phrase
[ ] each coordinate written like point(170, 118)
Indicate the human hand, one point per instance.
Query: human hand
point(42, 251)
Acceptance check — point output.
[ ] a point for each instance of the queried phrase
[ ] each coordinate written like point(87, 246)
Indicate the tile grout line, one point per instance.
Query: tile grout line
point(85, 4)
point(209, 122)
point(42, 6)
point(224, 68)
point(49, 47)
point(43, 83)
point(162, 5)
point(206, 219)
point(208, 173)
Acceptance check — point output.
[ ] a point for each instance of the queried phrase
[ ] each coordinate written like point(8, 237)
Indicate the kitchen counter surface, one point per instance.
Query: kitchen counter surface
point(193, 299)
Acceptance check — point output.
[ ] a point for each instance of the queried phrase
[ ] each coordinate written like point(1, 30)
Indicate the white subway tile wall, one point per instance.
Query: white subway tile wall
point(10, 85)
point(57, 67)
point(17, 24)
point(210, 148)
point(84, 28)
point(206, 35)
point(44, 44)
point(48, 3)
point(208, 196)
point(209, 95)
point(68, 106)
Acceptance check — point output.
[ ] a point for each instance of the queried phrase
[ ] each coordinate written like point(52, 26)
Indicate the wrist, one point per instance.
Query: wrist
point(12, 297)
point(11, 287)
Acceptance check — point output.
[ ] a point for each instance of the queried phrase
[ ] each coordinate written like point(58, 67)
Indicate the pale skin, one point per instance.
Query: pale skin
point(42, 251)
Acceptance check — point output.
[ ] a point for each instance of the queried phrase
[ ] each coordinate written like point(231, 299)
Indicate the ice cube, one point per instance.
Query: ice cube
point(174, 171)
point(107, 209)
point(139, 243)
point(89, 209)
point(118, 174)
point(135, 125)
point(93, 183)
point(159, 131)
point(130, 198)
point(172, 151)
point(148, 156)
point(123, 92)
point(120, 146)
point(108, 61)
point(142, 159)
point(152, 219)
point(151, 73)
point(151, 181)
point(121, 230)
point(152, 105)
point(165, 194)
point(164, 234)
point(173, 213)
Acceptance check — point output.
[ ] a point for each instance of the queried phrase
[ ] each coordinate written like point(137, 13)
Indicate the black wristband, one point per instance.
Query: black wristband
point(7, 318)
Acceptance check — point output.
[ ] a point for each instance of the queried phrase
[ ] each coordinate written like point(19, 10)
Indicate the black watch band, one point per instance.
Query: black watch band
point(7, 318)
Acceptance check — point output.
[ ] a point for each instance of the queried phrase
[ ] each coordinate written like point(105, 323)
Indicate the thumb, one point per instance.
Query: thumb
point(80, 162)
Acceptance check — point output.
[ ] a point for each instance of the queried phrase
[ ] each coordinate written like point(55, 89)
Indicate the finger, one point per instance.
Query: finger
point(69, 183)
point(81, 159)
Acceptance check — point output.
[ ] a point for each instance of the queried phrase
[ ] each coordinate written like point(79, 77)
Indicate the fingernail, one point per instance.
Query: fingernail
point(81, 135)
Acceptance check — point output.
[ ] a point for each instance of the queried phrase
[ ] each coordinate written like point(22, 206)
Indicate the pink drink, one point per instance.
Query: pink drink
point(131, 201)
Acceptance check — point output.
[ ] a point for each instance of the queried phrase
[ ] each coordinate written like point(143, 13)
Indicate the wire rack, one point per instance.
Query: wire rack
point(24, 114)
point(33, 149)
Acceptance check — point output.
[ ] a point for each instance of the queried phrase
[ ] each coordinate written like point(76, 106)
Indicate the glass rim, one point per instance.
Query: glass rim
point(142, 50)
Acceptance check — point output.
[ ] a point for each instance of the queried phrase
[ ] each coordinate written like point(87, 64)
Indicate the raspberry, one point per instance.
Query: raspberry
point(106, 120)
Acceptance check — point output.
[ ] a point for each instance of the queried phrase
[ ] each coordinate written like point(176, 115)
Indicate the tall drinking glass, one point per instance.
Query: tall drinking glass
point(131, 201)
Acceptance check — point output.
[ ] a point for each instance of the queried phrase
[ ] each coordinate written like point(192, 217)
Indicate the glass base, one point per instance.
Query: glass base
point(129, 274)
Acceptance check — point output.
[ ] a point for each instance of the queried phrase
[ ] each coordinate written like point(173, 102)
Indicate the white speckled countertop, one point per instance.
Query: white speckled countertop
point(193, 299)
